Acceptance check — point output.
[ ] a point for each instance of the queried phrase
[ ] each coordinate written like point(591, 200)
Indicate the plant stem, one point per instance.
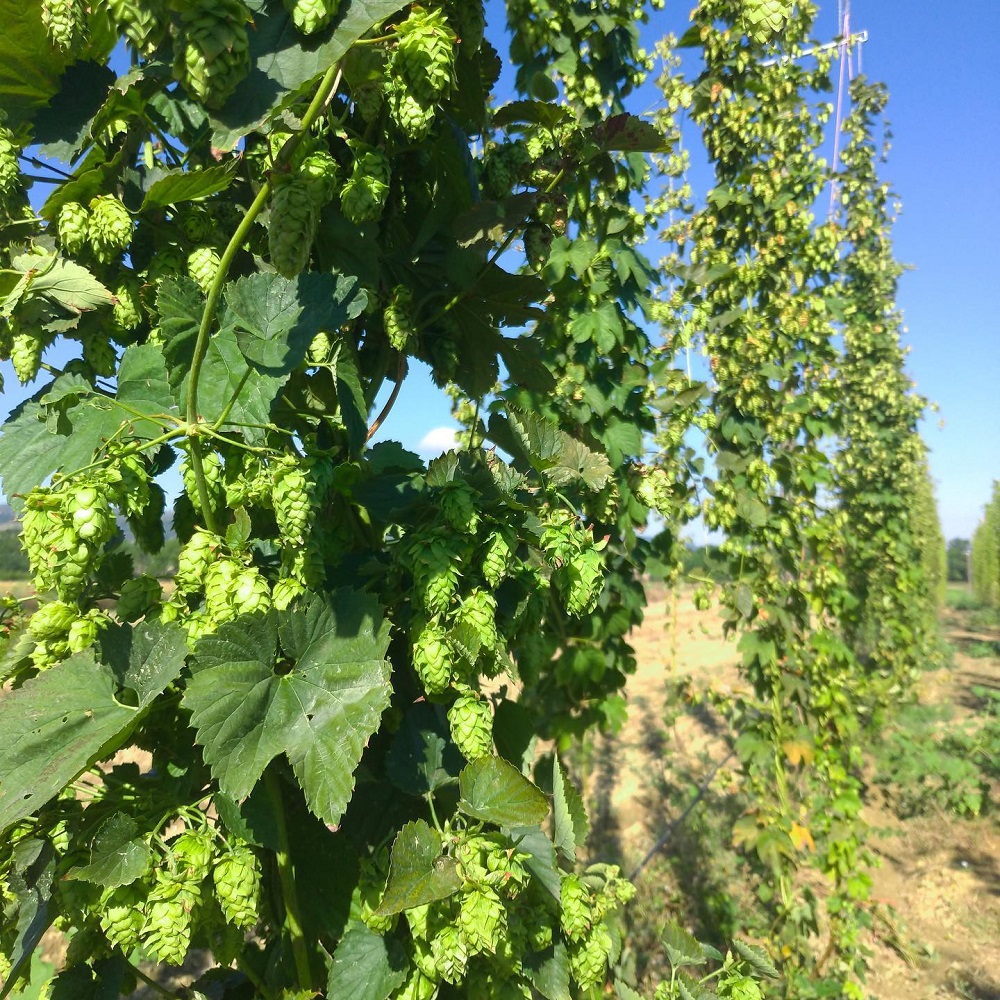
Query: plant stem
point(391, 401)
point(324, 94)
point(286, 874)
point(152, 983)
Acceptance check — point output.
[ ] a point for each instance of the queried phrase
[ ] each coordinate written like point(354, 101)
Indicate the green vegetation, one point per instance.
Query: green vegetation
point(302, 736)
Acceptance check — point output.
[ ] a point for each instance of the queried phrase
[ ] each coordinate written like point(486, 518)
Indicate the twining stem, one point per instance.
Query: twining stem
point(152, 983)
point(286, 874)
point(391, 401)
point(324, 94)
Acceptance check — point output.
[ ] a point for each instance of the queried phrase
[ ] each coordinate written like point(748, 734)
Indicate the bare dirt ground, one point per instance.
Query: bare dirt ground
point(937, 885)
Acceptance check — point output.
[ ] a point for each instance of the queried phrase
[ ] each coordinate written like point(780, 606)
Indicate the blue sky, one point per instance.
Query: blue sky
point(937, 61)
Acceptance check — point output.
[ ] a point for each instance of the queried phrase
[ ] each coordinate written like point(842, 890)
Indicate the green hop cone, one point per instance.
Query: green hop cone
point(73, 226)
point(292, 504)
point(220, 584)
point(588, 960)
point(250, 592)
point(237, 883)
point(128, 306)
point(765, 18)
point(65, 22)
point(110, 228)
point(414, 115)
point(286, 591)
point(53, 620)
point(459, 508)
point(576, 907)
point(292, 228)
point(191, 854)
point(10, 172)
point(138, 597)
point(417, 987)
point(169, 917)
point(194, 559)
point(477, 612)
point(144, 22)
point(482, 921)
point(310, 16)
point(26, 348)
point(450, 954)
point(537, 243)
point(90, 511)
point(496, 558)
point(398, 318)
point(203, 265)
point(364, 195)
point(425, 55)
point(212, 56)
point(83, 632)
point(471, 722)
point(99, 353)
point(122, 915)
point(322, 172)
point(432, 658)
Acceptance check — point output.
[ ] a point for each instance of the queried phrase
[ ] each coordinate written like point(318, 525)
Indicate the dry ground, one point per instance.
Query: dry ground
point(937, 887)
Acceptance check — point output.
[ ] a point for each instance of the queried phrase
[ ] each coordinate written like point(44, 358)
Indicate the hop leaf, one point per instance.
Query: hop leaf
point(471, 722)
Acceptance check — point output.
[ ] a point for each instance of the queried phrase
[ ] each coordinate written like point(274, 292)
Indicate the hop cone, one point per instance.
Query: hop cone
point(250, 592)
point(26, 354)
point(496, 558)
point(138, 596)
point(66, 23)
point(128, 307)
point(459, 508)
point(478, 613)
point(425, 55)
point(363, 197)
point(432, 658)
point(122, 916)
point(99, 353)
point(482, 921)
point(53, 620)
point(575, 915)
point(213, 54)
point(471, 724)
point(10, 172)
point(537, 242)
point(321, 171)
point(144, 22)
point(203, 265)
point(398, 319)
point(167, 929)
point(765, 18)
point(413, 114)
point(83, 632)
point(292, 506)
point(74, 225)
point(310, 16)
point(110, 227)
point(237, 882)
point(450, 954)
point(589, 961)
point(293, 225)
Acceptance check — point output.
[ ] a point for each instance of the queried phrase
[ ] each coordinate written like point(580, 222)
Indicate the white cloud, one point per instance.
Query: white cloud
point(438, 440)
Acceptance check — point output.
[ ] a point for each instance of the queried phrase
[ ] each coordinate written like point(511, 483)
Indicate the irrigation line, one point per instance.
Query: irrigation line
point(669, 832)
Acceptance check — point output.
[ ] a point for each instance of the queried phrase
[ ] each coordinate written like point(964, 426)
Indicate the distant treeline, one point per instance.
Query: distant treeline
point(696, 560)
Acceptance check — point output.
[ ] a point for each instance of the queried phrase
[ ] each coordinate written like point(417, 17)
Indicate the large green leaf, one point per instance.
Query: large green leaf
point(38, 439)
point(310, 683)
point(549, 972)
point(61, 128)
point(422, 758)
point(227, 374)
point(277, 319)
point(570, 826)
point(30, 875)
point(418, 872)
point(64, 282)
point(30, 66)
point(366, 966)
point(118, 855)
point(63, 720)
point(495, 791)
point(172, 187)
point(282, 61)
